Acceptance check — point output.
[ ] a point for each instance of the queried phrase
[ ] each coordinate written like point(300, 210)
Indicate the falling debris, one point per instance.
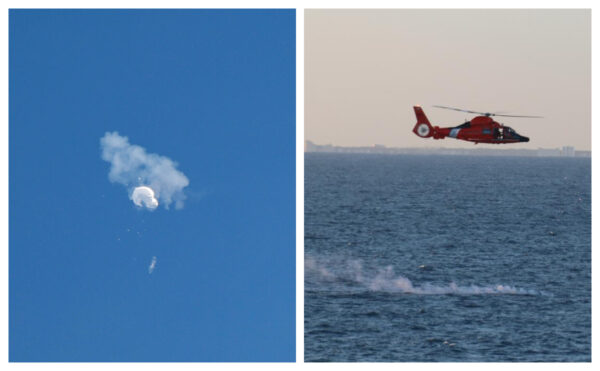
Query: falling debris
point(150, 178)
point(152, 265)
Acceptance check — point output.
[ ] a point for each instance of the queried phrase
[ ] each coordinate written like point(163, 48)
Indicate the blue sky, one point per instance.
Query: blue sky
point(213, 91)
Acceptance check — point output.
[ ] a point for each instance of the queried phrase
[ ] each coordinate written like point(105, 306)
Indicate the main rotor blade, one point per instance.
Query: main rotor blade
point(487, 113)
point(531, 117)
point(461, 110)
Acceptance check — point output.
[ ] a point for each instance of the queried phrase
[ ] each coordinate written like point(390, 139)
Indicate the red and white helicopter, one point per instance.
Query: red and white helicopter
point(480, 129)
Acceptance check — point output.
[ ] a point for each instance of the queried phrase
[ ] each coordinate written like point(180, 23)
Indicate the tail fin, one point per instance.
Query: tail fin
point(422, 128)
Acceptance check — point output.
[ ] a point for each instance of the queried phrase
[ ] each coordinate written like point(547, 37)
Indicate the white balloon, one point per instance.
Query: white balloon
point(144, 197)
point(132, 166)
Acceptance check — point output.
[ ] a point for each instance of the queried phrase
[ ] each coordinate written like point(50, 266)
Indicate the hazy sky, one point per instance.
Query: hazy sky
point(365, 69)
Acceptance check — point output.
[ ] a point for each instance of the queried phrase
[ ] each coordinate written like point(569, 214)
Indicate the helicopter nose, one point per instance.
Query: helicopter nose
point(524, 139)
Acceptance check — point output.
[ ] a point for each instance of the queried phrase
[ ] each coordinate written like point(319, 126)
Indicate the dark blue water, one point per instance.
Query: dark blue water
point(432, 258)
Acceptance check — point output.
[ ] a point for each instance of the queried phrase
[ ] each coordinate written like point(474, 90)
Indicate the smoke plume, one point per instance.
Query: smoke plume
point(150, 178)
point(385, 280)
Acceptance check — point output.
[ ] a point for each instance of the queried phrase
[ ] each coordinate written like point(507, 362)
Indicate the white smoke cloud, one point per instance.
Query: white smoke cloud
point(150, 178)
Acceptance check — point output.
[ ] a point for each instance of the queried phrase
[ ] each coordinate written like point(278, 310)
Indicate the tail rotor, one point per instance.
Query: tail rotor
point(423, 127)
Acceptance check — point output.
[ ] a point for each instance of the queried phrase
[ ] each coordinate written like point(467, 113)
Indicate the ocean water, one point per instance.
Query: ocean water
point(442, 259)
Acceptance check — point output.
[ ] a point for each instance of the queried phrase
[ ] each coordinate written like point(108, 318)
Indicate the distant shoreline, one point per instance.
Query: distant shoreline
point(566, 151)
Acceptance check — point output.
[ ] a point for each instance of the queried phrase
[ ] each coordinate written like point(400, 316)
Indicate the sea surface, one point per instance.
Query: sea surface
point(447, 258)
